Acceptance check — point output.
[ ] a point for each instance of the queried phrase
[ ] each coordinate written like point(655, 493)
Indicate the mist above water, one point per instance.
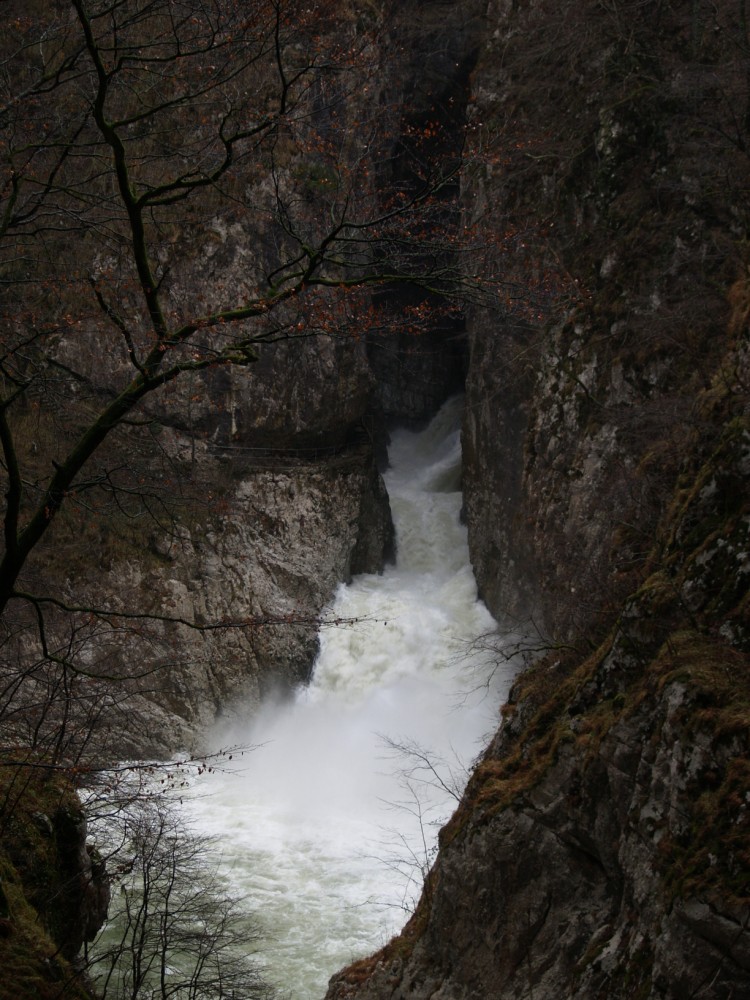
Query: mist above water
point(328, 826)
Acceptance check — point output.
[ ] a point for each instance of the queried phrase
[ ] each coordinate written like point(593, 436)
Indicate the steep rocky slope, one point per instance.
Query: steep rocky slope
point(246, 494)
point(258, 572)
point(254, 496)
point(53, 888)
point(602, 848)
point(612, 168)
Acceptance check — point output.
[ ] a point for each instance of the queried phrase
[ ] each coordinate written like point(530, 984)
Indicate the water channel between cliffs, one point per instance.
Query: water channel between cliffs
point(323, 830)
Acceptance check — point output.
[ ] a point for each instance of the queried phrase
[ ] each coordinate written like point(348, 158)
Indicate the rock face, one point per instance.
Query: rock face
point(288, 538)
point(602, 846)
point(258, 495)
point(617, 242)
point(251, 564)
point(554, 889)
point(261, 494)
point(54, 891)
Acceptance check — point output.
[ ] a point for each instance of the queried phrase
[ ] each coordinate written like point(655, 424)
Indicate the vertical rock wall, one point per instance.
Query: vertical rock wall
point(255, 549)
point(54, 891)
point(601, 849)
point(607, 164)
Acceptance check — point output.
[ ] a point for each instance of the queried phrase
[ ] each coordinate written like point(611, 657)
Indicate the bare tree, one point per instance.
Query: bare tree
point(427, 782)
point(176, 930)
point(129, 131)
point(125, 121)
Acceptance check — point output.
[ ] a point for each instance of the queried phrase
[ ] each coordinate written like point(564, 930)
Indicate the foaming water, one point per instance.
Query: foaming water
point(327, 828)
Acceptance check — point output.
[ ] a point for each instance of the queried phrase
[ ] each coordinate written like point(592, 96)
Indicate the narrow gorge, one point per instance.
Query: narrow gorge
point(331, 822)
point(539, 209)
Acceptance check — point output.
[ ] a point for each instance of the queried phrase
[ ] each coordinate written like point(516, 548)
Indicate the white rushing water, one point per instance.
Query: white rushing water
point(323, 830)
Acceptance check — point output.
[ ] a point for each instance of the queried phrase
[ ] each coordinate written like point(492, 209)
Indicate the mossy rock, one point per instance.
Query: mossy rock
point(32, 966)
point(39, 897)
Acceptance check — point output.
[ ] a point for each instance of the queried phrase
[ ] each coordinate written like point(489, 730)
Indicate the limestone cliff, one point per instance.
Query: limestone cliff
point(255, 493)
point(601, 848)
point(229, 582)
point(603, 843)
point(259, 491)
point(425, 62)
point(611, 173)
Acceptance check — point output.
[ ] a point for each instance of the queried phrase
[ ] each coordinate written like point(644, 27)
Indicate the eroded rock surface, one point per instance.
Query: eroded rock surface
point(252, 572)
point(602, 846)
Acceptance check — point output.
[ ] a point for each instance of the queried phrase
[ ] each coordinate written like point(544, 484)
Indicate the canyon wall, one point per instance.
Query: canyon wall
point(54, 890)
point(252, 574)
point(255, 494)
point(269, 472)
point(602, 845)
point(254, 488)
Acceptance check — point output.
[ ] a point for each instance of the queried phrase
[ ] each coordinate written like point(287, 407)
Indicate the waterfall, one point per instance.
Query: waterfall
point(327, 828)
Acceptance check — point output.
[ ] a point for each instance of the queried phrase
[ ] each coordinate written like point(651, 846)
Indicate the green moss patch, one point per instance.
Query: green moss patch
point(35, 917)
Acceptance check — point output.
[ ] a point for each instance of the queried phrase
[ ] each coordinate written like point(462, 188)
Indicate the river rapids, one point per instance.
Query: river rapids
point(331, 823)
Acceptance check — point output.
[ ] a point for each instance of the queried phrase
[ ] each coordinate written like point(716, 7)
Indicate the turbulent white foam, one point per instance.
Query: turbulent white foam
point(322, 830)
